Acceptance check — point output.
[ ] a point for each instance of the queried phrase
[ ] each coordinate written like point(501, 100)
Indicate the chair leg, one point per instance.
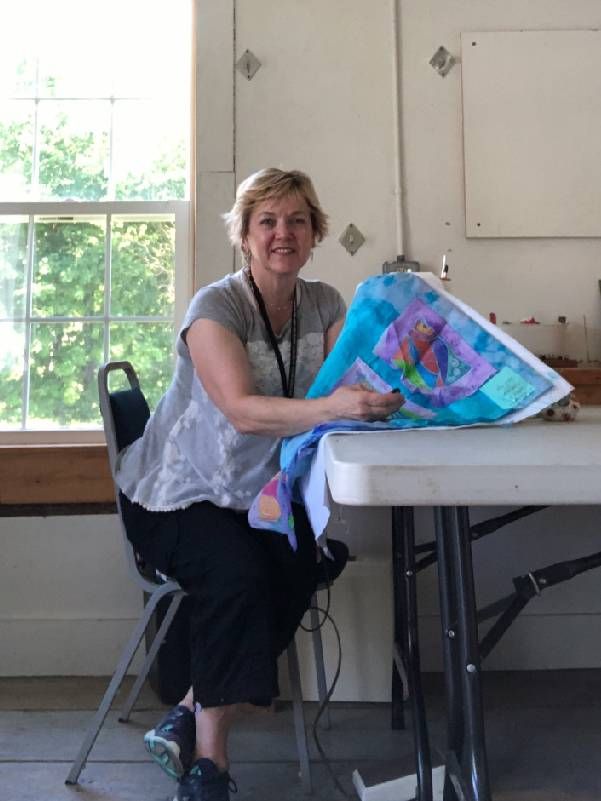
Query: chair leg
point(322, 686)
point(102, 711)
point(299, 717)
point(150, 657)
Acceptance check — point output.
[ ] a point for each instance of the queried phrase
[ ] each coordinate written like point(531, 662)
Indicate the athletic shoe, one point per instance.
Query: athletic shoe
point(171, 743)
point(205, 782)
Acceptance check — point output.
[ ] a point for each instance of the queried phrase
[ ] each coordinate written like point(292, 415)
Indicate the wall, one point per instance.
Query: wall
point(324, 101)
point(67, 605)
point(514, 278)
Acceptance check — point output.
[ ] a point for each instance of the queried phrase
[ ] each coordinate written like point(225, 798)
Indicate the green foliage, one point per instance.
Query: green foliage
point(13, 256)
point(166, 182)
point(16, 149)
point(69, 278)
point(149, 346)
point(64, 361)
point(142, 260)
point(71, 165)
point(68, 274)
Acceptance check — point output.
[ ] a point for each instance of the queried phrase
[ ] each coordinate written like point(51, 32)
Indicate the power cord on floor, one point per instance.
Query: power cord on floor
point(326, 616)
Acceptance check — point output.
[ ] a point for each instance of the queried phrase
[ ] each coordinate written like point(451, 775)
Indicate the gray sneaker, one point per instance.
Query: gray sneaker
point(171, 743)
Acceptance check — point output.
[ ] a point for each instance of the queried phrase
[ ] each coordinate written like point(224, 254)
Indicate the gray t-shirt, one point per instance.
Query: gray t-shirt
point(190, 451)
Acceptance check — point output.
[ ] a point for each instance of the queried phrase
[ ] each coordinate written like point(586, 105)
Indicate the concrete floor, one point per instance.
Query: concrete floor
point(543, 733)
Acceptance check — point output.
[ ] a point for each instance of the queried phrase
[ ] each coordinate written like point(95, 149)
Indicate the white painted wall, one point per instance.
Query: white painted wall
point(66, 603)
point(323, 101)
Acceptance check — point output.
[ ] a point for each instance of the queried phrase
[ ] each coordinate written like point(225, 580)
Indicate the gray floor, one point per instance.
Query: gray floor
point(543, 732)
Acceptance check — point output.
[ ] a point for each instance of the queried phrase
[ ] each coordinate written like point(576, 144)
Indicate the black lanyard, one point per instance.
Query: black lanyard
point(287, 380)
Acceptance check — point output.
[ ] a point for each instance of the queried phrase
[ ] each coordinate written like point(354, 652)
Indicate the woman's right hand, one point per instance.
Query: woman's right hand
point(354, 402)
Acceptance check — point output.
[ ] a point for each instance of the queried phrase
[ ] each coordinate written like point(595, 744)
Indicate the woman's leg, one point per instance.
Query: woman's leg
point(296, 574)
point(212, 731)
point(249, 591)
point(226, 571)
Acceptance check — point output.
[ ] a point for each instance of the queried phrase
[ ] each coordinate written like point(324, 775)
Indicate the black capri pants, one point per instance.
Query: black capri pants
point(249, 592)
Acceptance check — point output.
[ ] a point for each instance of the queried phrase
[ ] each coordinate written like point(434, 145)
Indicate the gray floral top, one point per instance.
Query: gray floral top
point(190, 451)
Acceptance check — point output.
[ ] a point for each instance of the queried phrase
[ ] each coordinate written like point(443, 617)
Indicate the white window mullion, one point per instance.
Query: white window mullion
point(107, 284)
point(184, 268)
point(35, 148)
point(111, 175)
point(28, 315)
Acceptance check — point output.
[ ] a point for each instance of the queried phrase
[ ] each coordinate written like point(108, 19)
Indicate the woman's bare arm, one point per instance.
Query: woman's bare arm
point(222, 365)
point(332, 335)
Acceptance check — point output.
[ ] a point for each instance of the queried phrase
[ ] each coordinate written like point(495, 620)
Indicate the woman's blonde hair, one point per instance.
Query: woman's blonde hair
point(272, 183)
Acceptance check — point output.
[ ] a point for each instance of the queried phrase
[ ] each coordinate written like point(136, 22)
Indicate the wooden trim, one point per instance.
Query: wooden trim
point(55, 474)
point(586, 382)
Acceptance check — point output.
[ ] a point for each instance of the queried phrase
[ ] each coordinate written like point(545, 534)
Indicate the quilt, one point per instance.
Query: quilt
point(405, 331)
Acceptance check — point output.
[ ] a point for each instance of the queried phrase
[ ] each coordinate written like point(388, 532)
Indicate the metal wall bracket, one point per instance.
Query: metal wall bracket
point(400, 265)
point(351, 239)
point(442, 61)
point(248, 64)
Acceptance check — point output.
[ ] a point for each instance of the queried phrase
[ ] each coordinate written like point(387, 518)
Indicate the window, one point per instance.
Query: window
point(94, 202)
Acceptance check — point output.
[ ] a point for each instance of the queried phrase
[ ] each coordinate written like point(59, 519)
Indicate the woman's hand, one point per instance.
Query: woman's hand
point(354, 402)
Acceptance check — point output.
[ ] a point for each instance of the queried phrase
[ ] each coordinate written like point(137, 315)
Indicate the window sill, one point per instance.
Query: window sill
point(55, 475)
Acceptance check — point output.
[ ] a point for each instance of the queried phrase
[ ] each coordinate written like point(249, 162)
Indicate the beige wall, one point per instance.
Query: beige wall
point(324, 101)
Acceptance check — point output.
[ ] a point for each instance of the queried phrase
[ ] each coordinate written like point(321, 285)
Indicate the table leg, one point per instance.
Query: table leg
point(467, 768)
point(449, 650)
point(403, 525)
point(400, 690)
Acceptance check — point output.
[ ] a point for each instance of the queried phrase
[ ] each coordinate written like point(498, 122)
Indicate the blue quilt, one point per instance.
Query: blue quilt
point(404, 331)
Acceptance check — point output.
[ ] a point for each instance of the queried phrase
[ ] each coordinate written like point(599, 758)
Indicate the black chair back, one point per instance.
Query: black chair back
point(130, 415)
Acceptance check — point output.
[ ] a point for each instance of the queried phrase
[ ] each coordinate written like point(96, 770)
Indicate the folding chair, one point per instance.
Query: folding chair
point(125, 413)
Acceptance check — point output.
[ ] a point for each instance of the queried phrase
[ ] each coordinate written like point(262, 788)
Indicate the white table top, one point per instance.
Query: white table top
point(534, 462)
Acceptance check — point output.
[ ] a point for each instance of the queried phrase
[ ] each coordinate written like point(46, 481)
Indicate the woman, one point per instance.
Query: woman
point(250, 347)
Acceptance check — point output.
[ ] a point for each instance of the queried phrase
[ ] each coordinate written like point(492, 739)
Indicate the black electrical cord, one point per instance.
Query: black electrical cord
point(326, 616)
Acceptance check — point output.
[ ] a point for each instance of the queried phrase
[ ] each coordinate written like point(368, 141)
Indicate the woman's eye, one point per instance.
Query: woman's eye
point(267, 221)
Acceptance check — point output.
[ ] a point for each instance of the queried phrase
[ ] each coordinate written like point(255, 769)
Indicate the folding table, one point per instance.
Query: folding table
point(534, 463)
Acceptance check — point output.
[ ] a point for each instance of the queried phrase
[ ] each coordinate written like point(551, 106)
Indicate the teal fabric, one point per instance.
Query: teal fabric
point(401, 333)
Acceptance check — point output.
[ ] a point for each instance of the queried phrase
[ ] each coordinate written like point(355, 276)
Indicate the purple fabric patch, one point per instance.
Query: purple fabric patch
point(433, 359)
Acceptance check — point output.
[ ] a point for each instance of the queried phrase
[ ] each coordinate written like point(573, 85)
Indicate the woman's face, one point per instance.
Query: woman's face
point(280, 235)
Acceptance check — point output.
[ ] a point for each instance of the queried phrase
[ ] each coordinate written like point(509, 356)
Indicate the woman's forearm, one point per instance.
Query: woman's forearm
point(278, 417)
point(283, 417)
